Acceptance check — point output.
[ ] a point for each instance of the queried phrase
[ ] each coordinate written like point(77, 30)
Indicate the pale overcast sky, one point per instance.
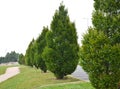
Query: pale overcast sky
point(22, 20)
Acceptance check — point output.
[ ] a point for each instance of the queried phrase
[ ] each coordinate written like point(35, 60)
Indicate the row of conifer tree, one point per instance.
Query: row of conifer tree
point(57, 49)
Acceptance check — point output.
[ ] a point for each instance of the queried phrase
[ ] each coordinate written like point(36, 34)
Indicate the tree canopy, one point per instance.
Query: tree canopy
point(100, 50)
point(29, 56)
point(40, 44)
point(61, 52)
point(10, 57)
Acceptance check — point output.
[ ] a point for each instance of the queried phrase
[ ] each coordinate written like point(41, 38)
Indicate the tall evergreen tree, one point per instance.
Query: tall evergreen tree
point(100, 50)
point(21, 59)
point(106, 18)
point(40, 44)
point(29, 56)
point(61, 52)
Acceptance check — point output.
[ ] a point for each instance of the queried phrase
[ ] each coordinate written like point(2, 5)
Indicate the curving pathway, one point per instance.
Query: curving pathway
point(10, 72)
point(80, 74)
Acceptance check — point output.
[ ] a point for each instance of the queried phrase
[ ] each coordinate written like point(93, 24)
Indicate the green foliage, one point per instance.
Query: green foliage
point(10, 57)
point(33, 56)
point(106, 18)
point(100, 60)
point(21, 59)
point(108, 6)
point(61, 53)
point(2, 60)
point(100, 50)
point(40, 44)
point(29, 56)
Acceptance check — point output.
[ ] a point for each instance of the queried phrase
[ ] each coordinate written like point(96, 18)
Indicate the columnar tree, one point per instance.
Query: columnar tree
point(29, 56)
point(21, 59)
point(100, 60)
point(100, 50)
point(40, 44)
point(61, 52)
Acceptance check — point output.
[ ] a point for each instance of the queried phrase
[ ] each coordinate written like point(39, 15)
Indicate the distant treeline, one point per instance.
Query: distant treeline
point(10, 57)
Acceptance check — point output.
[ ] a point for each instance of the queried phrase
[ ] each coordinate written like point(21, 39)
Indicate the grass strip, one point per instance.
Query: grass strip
point(3, 69)
point(30, 78)
point(75, 85)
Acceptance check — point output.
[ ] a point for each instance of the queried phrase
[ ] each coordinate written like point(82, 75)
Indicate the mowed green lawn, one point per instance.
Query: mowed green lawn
point(31, 78)
point(3, 69)
point(72, 85)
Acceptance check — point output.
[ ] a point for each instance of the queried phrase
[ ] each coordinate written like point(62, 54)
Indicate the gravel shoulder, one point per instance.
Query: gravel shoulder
point(10, 72)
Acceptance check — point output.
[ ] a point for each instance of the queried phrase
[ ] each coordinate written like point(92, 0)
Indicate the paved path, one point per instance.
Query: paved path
point(80, 74)
point(10, 72)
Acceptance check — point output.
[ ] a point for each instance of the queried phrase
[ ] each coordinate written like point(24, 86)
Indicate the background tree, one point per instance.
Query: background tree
point(2, 60)
point(40, 44)
point(10, 57)
point(100, 50)
point(61, 52)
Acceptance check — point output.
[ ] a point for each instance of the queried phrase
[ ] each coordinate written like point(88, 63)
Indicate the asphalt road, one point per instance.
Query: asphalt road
point(80, 74)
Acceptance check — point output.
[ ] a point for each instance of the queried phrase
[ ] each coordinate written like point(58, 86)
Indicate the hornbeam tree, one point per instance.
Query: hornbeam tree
point(100, 50)
point(40, 44)
point(61, 52)
point(29, 56)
